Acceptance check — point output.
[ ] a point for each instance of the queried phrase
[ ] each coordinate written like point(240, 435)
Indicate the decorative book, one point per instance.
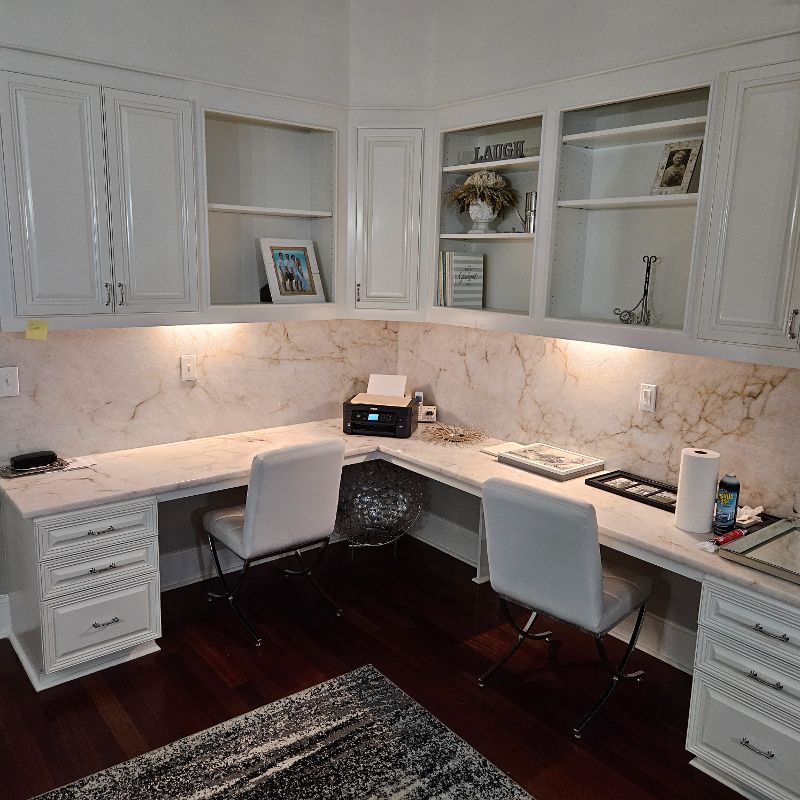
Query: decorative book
point(460, 280)
point(550, 461)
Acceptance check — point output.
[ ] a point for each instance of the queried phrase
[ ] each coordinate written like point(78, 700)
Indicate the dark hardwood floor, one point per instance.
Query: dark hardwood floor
point(421, 621)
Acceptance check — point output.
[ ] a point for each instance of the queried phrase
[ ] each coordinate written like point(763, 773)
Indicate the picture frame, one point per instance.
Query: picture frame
point(676, 167)
point(551, 461)
point(292, 270)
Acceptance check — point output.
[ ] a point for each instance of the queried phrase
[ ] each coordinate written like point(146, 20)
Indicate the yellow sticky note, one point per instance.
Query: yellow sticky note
point(36, 329)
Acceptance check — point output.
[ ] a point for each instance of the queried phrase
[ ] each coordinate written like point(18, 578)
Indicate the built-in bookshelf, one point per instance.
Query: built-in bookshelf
point(507, 250)
point(607, 218)
point(266, 180)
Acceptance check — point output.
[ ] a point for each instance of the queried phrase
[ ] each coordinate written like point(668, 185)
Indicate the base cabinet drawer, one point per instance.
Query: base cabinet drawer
point(103, 622)
point(738, 734)
point(750, 617)
point(64, 534)
point(88, 570)
point(753, 671)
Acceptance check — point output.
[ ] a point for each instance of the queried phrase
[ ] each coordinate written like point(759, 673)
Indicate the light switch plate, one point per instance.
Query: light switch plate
point(647, 397)
point(9, 381)
point(189, 368)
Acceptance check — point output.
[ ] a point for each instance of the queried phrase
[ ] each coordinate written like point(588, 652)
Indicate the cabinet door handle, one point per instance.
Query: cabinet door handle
point(121, 287)
point(766, 753)
point(754, 675)
point(112, 621)
point(108, 293)
point(358, 293)
point(790, 332)
point(112, 565)
point(780, 636)
point(92, 532)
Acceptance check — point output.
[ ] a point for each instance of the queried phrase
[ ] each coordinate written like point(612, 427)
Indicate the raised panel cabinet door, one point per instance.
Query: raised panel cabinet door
point(388, 217)
point(57, 201)
point(751, 286)
point(152, 190)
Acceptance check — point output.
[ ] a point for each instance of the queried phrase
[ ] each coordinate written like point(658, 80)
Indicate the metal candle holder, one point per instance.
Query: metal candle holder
point(630, 317)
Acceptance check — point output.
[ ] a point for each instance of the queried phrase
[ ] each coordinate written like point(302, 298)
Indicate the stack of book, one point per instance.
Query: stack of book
point(459, 280)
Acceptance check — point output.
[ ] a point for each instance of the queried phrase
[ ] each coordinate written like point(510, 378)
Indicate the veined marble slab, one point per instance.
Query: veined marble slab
point(194, 467)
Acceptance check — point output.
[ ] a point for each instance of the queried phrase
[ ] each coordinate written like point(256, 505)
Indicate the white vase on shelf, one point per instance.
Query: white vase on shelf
point(481, 214)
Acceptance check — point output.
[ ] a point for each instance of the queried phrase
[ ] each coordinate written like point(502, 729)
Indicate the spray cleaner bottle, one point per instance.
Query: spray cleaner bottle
point(727, 503)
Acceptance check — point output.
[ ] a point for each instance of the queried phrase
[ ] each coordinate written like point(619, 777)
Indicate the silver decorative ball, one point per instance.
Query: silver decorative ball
point(378, 503)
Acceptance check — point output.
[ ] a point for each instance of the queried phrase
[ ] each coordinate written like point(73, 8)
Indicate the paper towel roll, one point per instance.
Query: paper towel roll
point(697, 490)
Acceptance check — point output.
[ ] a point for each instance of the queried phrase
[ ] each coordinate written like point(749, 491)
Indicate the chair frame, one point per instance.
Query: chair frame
point(305, 571)
point(617, 673)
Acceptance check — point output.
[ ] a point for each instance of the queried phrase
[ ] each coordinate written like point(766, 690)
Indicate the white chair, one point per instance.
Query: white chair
point(291, 503)
point(544, 555)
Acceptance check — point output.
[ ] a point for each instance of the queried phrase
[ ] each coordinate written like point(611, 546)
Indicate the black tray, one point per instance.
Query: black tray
point(656, 490)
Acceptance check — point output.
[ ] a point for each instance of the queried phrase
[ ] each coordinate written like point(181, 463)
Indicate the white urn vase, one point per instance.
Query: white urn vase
point(481, 214)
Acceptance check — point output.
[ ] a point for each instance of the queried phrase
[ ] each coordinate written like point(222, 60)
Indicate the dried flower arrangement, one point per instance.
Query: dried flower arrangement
point(439, 433)
point(483, 186)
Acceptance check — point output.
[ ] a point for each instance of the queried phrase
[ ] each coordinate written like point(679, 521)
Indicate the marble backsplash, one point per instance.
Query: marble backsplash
point(92, 391)
point(98, 390)
point(585, 396)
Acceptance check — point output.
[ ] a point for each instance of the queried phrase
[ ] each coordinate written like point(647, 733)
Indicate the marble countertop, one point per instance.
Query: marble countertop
point(177, 469)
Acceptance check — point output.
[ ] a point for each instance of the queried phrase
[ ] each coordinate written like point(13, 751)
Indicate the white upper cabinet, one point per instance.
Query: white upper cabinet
point(57, 205)
point(150, 173)
point(751, 289)
point(388, 217)
point(101, 199)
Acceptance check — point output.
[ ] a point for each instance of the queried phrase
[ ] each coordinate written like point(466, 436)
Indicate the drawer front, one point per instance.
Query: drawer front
point(88, 570)
point(770, 626)
point(76, 631)
point(76, 532)
point(774, 681)
point(744, 738)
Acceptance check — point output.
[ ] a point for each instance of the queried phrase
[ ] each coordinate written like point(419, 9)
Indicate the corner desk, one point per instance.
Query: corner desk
point(84, 592)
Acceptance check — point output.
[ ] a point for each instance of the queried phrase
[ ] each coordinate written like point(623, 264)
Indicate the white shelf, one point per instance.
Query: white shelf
point(259, 211)
point(488, 237)
point(639, 134)
point(645, 201)
point(525, 164)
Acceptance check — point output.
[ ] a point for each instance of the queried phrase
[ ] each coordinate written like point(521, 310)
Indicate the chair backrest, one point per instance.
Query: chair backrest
point(544, 552)
point(292, 497)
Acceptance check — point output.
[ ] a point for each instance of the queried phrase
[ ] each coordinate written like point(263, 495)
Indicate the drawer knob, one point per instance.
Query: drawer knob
point(766, 753)
point(112, 565)
point(91, 532)
point(754, 675)
point(112, 621)
point(780, 636)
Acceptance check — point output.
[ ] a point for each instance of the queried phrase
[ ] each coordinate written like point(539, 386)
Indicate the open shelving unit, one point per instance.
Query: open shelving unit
point(266, 179)
point(606, 218)
point(508, 250)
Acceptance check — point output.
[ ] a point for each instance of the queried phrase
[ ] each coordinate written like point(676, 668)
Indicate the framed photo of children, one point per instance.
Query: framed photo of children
point(676, 167)
point(292, 271)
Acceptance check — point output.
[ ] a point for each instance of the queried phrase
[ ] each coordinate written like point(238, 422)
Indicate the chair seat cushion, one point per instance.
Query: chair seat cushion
point(623, 591)
point(227, 526)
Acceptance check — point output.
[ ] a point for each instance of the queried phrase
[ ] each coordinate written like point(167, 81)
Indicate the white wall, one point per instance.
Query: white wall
point(298, 48)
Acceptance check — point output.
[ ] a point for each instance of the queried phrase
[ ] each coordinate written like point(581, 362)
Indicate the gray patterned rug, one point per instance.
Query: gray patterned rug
point(353, 737)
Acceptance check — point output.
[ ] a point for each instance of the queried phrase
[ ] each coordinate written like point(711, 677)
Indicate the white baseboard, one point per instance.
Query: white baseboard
point(5, 617)
point(447, 536)
point(663, 639)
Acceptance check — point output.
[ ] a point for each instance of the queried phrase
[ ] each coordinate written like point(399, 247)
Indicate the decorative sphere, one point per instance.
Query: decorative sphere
point(378, 503)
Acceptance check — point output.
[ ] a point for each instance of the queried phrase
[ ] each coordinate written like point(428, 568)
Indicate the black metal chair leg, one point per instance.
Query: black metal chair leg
point(230, 594)
point(523, 633)
point(307, 572)
point(618, 673)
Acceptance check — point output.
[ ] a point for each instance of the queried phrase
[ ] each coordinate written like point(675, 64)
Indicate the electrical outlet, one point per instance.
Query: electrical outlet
point(647, 397)
point(9, 381)
point(426, 414)
point(189, 368)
